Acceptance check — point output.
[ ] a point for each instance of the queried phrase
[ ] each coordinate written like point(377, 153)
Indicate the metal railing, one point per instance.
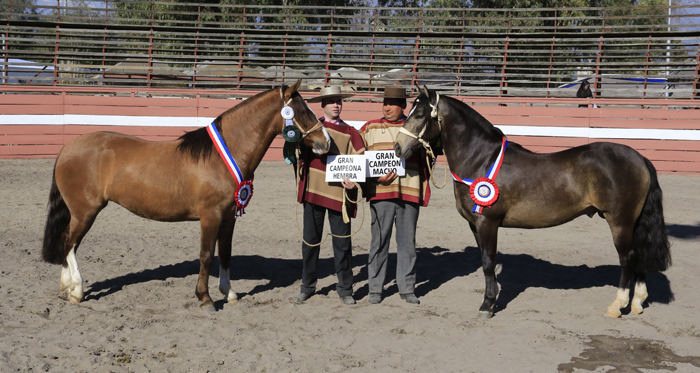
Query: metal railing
point(633, 52)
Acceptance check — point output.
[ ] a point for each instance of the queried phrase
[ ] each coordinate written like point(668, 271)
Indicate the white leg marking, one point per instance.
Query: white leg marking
point(640, 295)
point(621, 301)
point(75, 294)
point(65, 279)
point(225, 286)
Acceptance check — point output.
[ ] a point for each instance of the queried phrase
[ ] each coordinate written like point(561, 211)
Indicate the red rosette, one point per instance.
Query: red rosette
point(243, 194)
point(484, 191)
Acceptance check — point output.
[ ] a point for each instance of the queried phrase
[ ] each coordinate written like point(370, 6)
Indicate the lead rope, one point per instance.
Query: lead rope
point(346, 218)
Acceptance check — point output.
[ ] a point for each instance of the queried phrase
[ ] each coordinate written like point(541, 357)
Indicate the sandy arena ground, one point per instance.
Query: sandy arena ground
point(141, 315)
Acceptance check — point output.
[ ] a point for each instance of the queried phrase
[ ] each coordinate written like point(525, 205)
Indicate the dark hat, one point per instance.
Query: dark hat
point(330, 92)
point(395, 92)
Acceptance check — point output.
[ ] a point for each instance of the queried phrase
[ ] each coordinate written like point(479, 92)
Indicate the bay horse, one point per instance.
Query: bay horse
point(169, 181)
point(544, 190)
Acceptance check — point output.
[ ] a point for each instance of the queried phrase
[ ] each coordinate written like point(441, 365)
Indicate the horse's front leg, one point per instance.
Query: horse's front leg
point(225, 238)
point(486, 234)
point(210, 229)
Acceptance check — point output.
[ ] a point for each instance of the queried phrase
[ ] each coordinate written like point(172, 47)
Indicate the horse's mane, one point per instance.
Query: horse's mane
point(472, 117)
point(198, 144)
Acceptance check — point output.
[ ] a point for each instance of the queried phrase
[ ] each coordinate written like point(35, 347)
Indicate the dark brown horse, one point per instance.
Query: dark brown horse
point(544, 190)
point(180, 180)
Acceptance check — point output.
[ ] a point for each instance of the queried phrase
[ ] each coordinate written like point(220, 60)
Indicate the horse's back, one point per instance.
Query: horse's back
point(598, 159)
point(596, 177)
point(99, 151)
point(609, 165)
point(108, 166)
point(101, 140)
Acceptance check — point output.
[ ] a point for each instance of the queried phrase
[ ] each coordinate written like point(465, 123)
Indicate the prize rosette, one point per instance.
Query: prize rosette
point(484, 191)
point(287, 113)
point(243, 194)
point(290, 133)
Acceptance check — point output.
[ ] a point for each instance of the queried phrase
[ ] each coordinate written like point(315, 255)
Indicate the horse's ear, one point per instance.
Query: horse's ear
point(290, 91)
point(425, 91)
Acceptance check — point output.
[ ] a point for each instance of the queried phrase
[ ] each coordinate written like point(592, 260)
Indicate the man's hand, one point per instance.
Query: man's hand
point(347, 184)
point(388, 178)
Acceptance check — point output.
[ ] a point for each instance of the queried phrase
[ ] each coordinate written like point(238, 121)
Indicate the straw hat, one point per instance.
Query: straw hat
point(395, 92)
point(330, 92)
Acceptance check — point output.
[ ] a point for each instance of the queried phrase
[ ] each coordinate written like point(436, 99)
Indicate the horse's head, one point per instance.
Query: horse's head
point(313, 134)
point(421, 126)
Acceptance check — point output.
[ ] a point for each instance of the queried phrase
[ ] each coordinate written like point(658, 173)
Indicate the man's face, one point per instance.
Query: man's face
point(332, 107)
point(393, 109)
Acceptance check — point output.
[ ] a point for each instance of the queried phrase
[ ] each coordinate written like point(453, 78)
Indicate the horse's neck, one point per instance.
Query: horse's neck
point(248, 134)
point(469, 149)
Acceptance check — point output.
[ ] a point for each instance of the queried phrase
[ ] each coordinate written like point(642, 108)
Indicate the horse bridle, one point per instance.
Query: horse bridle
point(429, 150)
point(433, 115)
point(304, 133)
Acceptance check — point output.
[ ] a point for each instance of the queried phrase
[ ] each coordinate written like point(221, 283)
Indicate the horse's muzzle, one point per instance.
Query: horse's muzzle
point(400, 152)
point(322, 146)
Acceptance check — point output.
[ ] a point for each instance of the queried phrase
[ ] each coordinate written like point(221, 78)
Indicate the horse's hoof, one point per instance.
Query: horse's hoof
point(208, 306)
point(74, 300)
point(637, 310)
point(613, 314)
point(232, 300)
point(485, 314)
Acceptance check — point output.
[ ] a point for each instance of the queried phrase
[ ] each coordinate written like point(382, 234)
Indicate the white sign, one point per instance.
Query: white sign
point(380, 163)
point(340, 167)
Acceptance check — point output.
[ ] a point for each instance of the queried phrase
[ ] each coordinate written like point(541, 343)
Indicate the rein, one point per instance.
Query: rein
point(428, 149)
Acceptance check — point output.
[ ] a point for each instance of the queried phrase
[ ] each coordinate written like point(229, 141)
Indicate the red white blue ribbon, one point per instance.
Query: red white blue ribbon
point(484, 191)
point(225, 154)
point(244, 189)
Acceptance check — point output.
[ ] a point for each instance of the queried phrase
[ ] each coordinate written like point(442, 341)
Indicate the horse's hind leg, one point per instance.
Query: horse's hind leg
point(71, 280)
point(622, 237)
point(225, 238)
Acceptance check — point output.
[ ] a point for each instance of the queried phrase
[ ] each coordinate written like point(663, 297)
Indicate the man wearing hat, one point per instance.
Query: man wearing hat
point(394, 200)
point(320, 197)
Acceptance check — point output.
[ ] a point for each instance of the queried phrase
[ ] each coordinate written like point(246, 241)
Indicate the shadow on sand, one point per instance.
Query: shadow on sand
point(683, 232)
point(437, 265)
point(519, 272)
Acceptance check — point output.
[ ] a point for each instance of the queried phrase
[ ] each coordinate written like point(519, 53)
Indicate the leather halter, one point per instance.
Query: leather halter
point(304, 133)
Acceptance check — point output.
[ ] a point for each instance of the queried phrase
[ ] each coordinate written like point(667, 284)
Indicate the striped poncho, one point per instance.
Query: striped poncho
point(380, 134)
point(313, 188)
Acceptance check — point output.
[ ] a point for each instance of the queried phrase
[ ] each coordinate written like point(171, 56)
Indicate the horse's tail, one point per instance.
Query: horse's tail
point(650, 238)
point(56, 223)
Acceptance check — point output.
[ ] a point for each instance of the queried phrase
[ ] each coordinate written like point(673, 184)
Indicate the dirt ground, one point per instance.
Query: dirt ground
point(141, 315)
